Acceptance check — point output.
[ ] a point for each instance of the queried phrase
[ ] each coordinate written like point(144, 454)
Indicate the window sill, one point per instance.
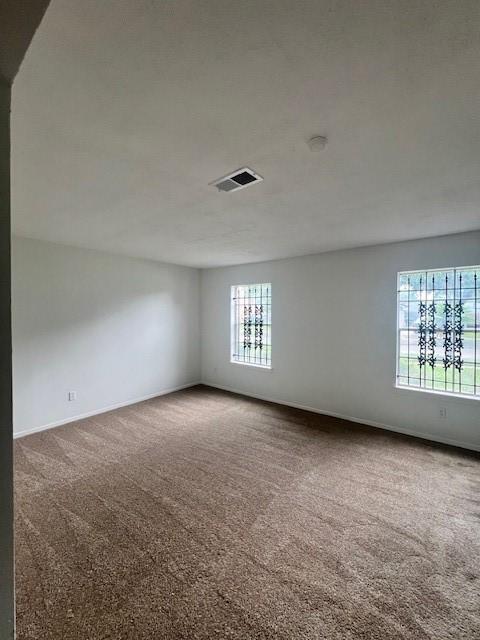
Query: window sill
point(439, 394)
point(250, 364)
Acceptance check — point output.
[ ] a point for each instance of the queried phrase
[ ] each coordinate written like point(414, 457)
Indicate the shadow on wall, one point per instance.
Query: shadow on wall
point(110, 328)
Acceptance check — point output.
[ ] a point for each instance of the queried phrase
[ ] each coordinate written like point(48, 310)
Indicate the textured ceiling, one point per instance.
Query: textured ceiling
point(125, 110)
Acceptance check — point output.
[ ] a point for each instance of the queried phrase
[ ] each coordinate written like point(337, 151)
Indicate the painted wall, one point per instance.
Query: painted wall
point(16, 31)
point(6, 468)
point(334, 336)
point(110, 328)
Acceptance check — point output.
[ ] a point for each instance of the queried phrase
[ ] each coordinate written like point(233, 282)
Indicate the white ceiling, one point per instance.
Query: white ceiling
point(125, 110)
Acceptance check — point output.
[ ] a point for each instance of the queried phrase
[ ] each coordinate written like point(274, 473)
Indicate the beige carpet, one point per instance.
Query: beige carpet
point(205, 515)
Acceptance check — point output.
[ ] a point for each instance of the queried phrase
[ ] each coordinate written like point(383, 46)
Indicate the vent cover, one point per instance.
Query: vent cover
point(237, 180)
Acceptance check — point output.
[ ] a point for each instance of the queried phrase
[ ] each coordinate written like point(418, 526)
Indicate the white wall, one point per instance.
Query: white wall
point(334, 336)
point(111, 328)
point(116, 329)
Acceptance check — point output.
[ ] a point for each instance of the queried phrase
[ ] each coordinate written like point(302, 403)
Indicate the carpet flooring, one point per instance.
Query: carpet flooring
point(203, 515)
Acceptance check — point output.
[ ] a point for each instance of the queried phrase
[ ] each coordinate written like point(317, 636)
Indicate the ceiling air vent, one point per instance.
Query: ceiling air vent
point(237, 180)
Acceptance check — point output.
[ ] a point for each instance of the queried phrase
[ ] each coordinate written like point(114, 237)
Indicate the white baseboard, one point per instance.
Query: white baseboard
point(295, 405)
point(370, 423)
point(89, 414)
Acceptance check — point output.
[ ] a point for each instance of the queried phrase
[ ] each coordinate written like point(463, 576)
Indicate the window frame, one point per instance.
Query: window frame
point(264, 367)
point(450, 395)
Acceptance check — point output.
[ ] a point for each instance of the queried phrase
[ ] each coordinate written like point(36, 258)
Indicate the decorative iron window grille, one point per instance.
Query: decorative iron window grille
point(438, 330)
point(251, 324)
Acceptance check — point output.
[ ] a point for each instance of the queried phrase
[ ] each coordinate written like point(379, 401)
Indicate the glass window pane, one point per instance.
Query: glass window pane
point(438, 316)
point(251, 324)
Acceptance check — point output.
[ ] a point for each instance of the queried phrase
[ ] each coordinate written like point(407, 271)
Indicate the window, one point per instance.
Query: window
point(438, 330)
point(251, 324)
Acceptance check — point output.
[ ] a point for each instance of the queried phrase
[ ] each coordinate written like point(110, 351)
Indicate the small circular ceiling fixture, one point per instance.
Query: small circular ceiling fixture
point(317, 143)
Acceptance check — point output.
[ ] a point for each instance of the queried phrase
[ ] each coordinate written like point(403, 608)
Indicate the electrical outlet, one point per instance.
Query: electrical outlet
point(72, 395)
point(443, 412)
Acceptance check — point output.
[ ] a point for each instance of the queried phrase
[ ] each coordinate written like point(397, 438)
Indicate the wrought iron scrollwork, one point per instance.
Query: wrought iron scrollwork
point(426, 334)
point(447, 330)
point(251, 324)
point(445, 325)
point(247, 327)
point(453, 332)
point(258, 326)
point(458, 331)
point(422, 334)
point(431, 328)
point(447, 336)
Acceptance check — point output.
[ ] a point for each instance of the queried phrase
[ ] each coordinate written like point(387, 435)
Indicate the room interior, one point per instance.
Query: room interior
point(245, 321)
